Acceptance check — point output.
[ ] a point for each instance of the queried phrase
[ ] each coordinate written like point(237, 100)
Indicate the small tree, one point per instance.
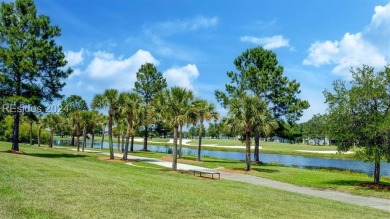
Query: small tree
point(359, 115)
point(170, 103)
point(130, 109)
point(53, 122)
point(31, 63)
point(70, 105)
point(244, 113)
point(202, 111)
point(109, 99)
point(149, 83)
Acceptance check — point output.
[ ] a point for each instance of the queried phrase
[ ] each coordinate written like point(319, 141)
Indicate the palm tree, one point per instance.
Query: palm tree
point(186, 99)
point(109, 99)
point(265, 125)
point(76, 123)
point(94, 121)
point(31, 117)
point(244, 114)
point(103, 121)
point(201, 111)
point(119, 130)
point(85, 120)
point(170, 104)
point(130, 108)
point(52, 121)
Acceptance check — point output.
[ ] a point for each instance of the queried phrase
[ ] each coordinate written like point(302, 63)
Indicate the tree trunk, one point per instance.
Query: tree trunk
point(180, 139)
point(93, 136)
point(72, 141)
point(132, 144)
point(78, 138)
point(146, 139)
point(248, 151)
point(257, 148)
point(119, 143)
point(110, 143)
point(102, 141)
point(127, 142)
point(174, 151)
point(15, 131)
point(31, 141)
point(200, 140)
point(51, 138)
point(123, 143)
point(39, 135)
point(377, 172)
point(84, 138)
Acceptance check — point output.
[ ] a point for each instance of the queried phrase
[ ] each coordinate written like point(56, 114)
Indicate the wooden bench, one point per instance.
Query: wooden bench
point(205, 172)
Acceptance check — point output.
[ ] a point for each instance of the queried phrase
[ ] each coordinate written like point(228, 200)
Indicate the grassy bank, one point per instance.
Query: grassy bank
point(53, 183)
point(267, 147)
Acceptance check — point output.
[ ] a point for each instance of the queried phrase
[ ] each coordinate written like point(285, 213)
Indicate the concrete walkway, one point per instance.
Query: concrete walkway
point(379, 203)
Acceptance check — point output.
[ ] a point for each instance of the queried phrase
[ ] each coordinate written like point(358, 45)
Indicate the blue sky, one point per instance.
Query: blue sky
point(194, 43)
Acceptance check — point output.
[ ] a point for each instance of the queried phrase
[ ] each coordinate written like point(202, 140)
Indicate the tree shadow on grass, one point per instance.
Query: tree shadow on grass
point(361, 184)
point(263, 170)
point(63, 155)
point(221, 161)
point(46, 155)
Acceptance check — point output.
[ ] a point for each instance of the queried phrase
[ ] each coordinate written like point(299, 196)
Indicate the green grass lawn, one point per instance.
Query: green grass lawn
point(55, 183)
point(345, 181)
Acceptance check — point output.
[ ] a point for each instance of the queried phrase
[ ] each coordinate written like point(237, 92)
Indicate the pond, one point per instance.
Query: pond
point(287, 160)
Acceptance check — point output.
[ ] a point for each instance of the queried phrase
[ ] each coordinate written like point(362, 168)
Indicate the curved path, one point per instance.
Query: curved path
point(379, 203)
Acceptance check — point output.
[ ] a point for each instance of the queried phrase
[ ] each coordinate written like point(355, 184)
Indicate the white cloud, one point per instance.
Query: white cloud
point(119, 73)
point(321, 53)
point(370, 47)
point(381, 18)
point(272, 42)
point(74, 58)
point(105, 65)
point(168, 28)
point(182, 76)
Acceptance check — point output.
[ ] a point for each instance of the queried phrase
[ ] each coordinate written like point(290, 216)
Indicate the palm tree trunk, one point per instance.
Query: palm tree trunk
point(51, 138)
point(31, 143)
point(93, 136)
point(123, 143)
point(39, 136)
point(200, 140)
point(132, 144)
point(257, 148)
point(248, 151)
point(78, 138)
point(174, 151)
point(119, 142)
point(84, 138)
point(180, 140)
point(102, 141)
point(110, 143)
point(125, 153)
